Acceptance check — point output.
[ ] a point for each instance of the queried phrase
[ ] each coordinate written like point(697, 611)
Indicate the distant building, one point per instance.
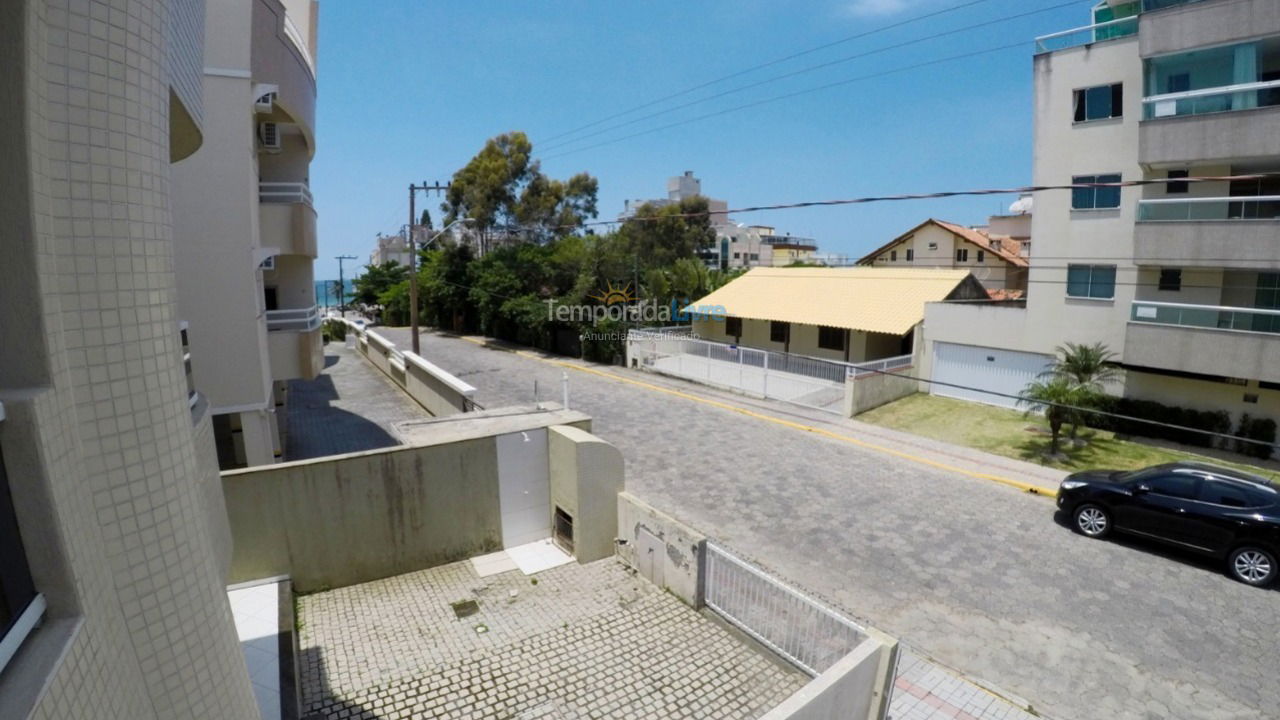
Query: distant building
point(390, 248)
point(994, 261)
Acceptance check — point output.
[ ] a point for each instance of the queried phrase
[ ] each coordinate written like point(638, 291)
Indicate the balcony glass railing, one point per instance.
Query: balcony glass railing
point(1110, 30)
point(297, 320)
point(1229, 98)
point(284, 192)
point(1264, 207)
point(1149, 5)
point(1216, 317)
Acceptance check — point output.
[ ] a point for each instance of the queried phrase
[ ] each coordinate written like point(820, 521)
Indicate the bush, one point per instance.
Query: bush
point(1262, 430)
point(1212, 421)
point(333, 330)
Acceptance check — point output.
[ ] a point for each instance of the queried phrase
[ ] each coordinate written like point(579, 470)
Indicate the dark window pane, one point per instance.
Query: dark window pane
point(1171, 279)
point(733, 326)
point(1102, 281)
point(830, 338)
point(778, 331)
point(1097, 102)
point(1082, 198)
point(1117, 100)
point(1078, 280)
point(1079, 115)
point(1175, 485)
point(1222, 493)
point(1108, 197)
point(1175, 188)
point(16, 587)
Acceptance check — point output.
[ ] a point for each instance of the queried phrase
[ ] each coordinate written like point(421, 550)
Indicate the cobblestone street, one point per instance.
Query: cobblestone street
point(974, 574)
point(578, 641)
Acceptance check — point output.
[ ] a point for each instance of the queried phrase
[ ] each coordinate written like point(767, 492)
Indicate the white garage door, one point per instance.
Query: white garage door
point(1002, 371)
point(524, 487)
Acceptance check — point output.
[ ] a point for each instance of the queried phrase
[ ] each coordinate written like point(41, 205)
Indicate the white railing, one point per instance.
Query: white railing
point(298, 319)
point(1225, 98)
point(1252, 207)
point(295, 36)
point(799, 628)
point(1216, 317)
point(284, 192)
point(885, 365)
point(1110, 30)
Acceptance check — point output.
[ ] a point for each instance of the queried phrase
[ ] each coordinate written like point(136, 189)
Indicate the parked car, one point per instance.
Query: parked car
point(1210, 510)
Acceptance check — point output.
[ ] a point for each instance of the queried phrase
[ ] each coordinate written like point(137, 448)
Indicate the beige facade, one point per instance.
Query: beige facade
point(115, 498)
point(1189, 272)
point(934, 244)
point(244, 216)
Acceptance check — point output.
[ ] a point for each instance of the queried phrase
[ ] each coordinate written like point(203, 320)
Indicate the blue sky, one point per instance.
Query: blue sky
point(409, 90)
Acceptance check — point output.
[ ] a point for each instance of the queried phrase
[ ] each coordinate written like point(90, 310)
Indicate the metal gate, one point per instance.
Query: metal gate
point(806, 632)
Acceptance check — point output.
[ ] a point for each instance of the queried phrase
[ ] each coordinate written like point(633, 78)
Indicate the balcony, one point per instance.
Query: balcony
point(294, 343)
point(1236, 342)
point(1170, 26)
point(1231, 232)
point(1087, 35)
point(287, 220)
point(281, 55)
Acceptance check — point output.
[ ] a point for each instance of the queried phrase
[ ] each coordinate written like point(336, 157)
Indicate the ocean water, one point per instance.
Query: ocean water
point(326, 291)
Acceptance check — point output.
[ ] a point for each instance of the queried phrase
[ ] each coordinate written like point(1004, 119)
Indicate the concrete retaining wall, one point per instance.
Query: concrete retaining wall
point(867, 391)
point(854, 688)
point(436, 390)
point(685, 548)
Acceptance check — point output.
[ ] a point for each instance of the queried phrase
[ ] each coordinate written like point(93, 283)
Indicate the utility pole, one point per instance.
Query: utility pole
point(413, 255)
point(342, 283)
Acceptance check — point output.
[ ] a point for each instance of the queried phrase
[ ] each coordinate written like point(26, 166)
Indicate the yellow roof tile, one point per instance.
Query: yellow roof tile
point(871, 299)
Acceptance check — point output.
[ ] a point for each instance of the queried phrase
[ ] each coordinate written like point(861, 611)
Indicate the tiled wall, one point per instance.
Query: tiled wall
point(111, 430)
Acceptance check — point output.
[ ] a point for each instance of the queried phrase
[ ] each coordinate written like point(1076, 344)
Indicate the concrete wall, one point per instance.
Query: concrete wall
point(586, 477)
point(871, 390)
point(1204, 24)
point(432, 387)
point(804, 340)
point(685, 547)
point(1186, 139)
point(1204, 394)
point(1203, 350)
point(352, 518)
point(855, 687)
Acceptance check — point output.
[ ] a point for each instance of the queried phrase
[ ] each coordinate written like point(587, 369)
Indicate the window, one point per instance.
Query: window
point(1091, 281)
point(1171, 279)
point(17, 591)
point(1098, 103)
point(1177, 188)
point(982, 256)
point(733, 326)
point(893, 255)
point(1095, 198)
point(830, 338)
point(933, 246)
point(1178, 485)
point(779, 331)
point(1220, 492)
point(911, 254)
point(1178, 82)
point(962, 254)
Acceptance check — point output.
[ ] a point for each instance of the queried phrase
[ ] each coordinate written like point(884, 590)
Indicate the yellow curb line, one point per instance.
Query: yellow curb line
point(1025, 487)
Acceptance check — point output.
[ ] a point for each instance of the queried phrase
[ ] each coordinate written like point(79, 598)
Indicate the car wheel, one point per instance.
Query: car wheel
point(1252, 566)
point(1092, 521)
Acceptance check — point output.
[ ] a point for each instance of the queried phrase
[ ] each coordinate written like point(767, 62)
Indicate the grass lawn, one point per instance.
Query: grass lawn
point(1026, 437)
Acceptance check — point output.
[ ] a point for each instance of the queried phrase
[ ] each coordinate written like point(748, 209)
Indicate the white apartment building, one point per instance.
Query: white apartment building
point(1181, 280)
point(114, 541)
point(389, 248)
point(245, 225)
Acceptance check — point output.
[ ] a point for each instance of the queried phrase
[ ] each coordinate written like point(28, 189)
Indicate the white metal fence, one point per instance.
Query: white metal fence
point(801, 629)
point(808, 381)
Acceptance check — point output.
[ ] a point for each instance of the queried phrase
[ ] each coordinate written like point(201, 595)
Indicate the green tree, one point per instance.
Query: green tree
point(425, 220)
point(377, 279)
point(443, 287)
point(659, 236)
point(1090, 368)
point(1053, 395)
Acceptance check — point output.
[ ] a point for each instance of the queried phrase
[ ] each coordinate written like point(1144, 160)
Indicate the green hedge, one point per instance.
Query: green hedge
point(1261, 429)
point(1215, 421)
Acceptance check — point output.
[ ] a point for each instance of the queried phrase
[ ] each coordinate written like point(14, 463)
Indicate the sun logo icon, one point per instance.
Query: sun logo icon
point(613, 295)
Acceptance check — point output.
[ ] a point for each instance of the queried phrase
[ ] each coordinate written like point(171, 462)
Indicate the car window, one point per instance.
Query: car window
point(1179, 485)
point(1229, 494)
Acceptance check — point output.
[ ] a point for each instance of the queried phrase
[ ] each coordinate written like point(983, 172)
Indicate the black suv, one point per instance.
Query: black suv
point(1211, 510)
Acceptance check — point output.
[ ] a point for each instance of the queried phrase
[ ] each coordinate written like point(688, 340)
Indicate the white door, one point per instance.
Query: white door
point(524, 487)
point(969, 366)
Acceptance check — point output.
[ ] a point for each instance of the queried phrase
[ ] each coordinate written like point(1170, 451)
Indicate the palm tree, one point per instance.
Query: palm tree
point(1090, 368)
point(1056, 396)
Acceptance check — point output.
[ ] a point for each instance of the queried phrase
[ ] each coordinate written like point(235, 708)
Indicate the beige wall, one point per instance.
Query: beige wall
point(856, 687)
point(992, 272)
point(1203, 395)
point(683, 550)
point(99, 445)
point(586, 477)
point(804, 340)
point(432, 387)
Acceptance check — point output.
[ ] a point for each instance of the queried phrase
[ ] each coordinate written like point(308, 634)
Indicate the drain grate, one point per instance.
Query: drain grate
point(465, 608)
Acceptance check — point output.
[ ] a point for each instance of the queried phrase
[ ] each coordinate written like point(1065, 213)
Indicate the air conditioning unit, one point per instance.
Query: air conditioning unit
point(264, 97)
point(268, 264)
point(269, 135)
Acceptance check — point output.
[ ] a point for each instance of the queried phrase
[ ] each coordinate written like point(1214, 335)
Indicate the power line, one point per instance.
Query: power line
point(812, 68)
point(797, 93)
point(770, 63)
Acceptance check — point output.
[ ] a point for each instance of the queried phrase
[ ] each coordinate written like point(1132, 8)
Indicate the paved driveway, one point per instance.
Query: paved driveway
point(974, 573)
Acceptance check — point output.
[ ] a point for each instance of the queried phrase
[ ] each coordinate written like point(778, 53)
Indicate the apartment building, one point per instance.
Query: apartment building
point(245, 224)
point(114, 542)
point(994, 260)
point(389, 248)
point(1180, 279)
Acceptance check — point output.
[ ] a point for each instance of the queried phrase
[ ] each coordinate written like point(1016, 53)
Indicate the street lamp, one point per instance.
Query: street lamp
point(413, 276)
